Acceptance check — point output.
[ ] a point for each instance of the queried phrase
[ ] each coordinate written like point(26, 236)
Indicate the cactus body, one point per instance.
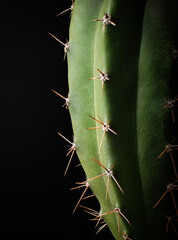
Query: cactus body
point(119, 121)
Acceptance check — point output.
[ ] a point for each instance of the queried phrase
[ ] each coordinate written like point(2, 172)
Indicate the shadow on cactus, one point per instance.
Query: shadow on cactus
point(122, 71)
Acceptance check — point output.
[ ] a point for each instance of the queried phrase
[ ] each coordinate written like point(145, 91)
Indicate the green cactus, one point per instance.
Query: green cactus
point(122, 107)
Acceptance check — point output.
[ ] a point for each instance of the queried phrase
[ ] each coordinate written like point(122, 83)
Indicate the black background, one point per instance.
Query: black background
point(35, 199)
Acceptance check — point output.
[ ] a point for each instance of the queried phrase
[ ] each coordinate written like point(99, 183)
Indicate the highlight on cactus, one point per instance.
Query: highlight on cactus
point(130, 166)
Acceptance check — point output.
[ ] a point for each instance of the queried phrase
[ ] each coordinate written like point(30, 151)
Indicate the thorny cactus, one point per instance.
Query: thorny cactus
point(122, 70)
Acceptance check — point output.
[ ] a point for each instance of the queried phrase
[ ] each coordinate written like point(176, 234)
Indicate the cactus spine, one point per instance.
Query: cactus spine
point(120, 77)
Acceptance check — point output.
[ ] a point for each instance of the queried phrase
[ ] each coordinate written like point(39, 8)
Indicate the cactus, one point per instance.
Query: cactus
point(122, 99)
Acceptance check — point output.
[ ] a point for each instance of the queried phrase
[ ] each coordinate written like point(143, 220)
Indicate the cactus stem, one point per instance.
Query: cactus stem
point(171, 103)
point(83, 184)
point(66, 45)
point(71, 150)
point(170, 221)
point(105, 127)
point(106, 20)
point(66, 10)
point(103, 77)
point(66, 99)
point(170, 188)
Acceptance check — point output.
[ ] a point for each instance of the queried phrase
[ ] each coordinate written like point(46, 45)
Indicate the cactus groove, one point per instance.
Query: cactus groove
point(121, 59)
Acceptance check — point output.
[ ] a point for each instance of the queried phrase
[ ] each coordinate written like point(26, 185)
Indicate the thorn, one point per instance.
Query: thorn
point(71, 150)
point(67, 103)
point(173, 116)
point(90, 179)
point(105, 20)
point(98, 217)
point(108, 173)
point(101, 122)
point(94, 213)
point(101, 141)
point(174, 201)
point(118, 211)
point(117, 184)
point(101, 228)
point(66, 45)
point(91, 211)
point(105, 127)
point(170, 188)
point(165, 150)
point(107, 188)
point(57, 39)
point(170, 221)
point(169, 149)
point(99, 163)
point(171, 103)
point(160, 198)
point(103, 77)
point(92, 195)
point(99, 118)
point(174, 166)
point(125, 237)
point(78, 165)
point(119, 230)
point(86, 185)
point(66, 10)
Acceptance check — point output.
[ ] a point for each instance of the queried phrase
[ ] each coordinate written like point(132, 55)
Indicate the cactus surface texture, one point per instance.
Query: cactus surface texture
point(122, 72)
